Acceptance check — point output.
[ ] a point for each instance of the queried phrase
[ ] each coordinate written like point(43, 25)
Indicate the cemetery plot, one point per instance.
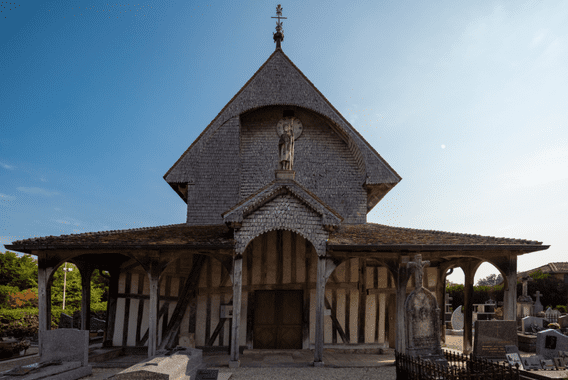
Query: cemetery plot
point(491, 337)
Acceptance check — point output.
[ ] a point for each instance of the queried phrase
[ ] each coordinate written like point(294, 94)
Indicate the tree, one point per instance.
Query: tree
point(18, 271)
point(491, 280)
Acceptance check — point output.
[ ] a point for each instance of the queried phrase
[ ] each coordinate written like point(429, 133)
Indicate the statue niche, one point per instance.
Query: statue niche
point(289, 129)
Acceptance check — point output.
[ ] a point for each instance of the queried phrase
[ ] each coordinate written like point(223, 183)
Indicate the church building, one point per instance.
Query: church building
point(276, 251)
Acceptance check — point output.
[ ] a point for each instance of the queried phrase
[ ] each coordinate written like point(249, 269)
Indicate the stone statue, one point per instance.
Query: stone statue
point(286, 147)
point(418, 266)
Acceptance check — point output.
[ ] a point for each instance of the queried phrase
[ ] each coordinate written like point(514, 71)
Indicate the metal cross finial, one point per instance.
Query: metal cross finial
point(279, 35)
point(418, 266)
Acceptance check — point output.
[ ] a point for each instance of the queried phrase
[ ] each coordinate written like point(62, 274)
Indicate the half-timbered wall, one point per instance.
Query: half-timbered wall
point(360, 294)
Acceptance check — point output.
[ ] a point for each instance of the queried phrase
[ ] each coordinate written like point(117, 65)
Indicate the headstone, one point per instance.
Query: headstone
point(559, 363)
point(513, 356)
point(552, 315)
point(550, 342)
point(530, 324)
point(422, 318)
point(537, 304)
point(563, 321)
point(548, 364)
point(65, 321)
point(491, 337)
point(67, 345)
point(97, 324)
point(457, 319)
point(532, 362)
point(165, 367)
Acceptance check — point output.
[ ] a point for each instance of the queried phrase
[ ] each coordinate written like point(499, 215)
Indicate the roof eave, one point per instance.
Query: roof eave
point(436, 247)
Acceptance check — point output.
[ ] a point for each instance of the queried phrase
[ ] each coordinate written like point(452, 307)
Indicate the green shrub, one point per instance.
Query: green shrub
point(19, 322)
point(5, 291)
point(561, 308)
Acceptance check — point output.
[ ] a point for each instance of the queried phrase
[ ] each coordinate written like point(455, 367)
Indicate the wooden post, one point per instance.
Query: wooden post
point(154, 277)
point(510, 294)
point(237, 290)
point(86, 273)
point(111, 306)
point(42, 302)
point(320, 295)
point(401, 280)
point(469, 272)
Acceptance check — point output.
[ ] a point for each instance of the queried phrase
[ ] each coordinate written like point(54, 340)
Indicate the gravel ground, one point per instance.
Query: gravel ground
point(383, 373)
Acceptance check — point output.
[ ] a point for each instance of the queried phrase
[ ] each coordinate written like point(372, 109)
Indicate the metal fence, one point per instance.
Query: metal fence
point(459, 367)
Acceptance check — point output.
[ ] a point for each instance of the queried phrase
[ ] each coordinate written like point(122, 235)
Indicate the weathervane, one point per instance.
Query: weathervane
point(279, 35)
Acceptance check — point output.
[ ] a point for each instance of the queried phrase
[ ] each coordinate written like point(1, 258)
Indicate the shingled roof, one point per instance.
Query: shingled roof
point(550, 268)
point(364, 237)
point(279, 82)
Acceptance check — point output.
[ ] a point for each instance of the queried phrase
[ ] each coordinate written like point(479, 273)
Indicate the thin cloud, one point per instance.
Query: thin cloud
point(6, 166)
point(37, 191)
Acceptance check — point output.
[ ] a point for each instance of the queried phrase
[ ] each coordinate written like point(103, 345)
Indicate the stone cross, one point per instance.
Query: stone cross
point(418, 266)
point(525, 285)
point(537, 295)
point(448, 299)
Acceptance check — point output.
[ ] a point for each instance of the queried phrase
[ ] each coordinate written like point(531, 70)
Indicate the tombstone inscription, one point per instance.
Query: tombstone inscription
point(422, 318)
point(513, 356)
point(491, 337)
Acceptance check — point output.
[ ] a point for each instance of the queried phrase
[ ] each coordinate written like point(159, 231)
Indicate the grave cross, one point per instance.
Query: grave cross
point(418, 266)
point(448, 299)
point(525, 285)
point(537, 295)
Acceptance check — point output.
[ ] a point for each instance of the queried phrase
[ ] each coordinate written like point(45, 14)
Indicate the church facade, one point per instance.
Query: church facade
point(276, 251)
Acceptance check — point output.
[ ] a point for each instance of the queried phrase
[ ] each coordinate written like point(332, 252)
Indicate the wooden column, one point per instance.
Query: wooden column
point(441, 298)
point(469, 272)
point(401, 280)
point(44, 321)
point(86, 273)
point(382, 315)
point(320, 299)
point(111, 307)
point(154, 277)
point(237, 293)
point(510, 294)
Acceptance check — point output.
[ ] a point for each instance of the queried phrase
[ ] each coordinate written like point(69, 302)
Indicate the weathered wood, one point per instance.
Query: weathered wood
point(348, 302)
point(250, 319)
point(320, 296)
point(209, 284)
point(335, 322)
point(111, 307)
point(145, 297)
point(246, 288)
point(154, 277)
point(185, 296)
point(128, 282)
point(293, 257)
point(217, 331)
point(237, 283)
point(161, 312)
point(42, 302)
point(279, 257)
point(86, 298)
point(140, 315)
point(362, 300)
point(263, 253)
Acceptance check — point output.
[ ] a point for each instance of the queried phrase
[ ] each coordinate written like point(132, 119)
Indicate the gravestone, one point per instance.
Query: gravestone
point(550, 342)
point(64, 355)
point(552, 315)
point(457, 319)
point(513, 356)
point(180, 364)
point(491, 337)
point(65, 321)
point(533, 324)
point(548, 364)
point(422, 318)
point(563, 321)
point(532, 362)
point(537, 304)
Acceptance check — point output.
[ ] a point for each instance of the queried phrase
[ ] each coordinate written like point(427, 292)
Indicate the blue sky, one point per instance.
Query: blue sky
point(467, 101)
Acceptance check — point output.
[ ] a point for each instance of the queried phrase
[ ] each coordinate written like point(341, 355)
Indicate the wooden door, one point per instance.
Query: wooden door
point(278, 319)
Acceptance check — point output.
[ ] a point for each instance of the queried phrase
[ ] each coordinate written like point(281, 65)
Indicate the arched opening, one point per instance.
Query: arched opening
point(278, 292)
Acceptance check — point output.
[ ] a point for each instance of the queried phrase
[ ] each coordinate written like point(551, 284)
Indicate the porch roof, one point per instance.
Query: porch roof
point(361, 237)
